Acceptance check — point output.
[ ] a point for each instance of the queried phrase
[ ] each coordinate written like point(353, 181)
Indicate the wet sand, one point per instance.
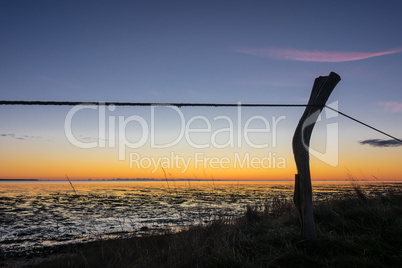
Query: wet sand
point(37, 219)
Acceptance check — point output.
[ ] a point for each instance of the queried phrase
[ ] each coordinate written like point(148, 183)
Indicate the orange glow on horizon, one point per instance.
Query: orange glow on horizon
point(39, 162)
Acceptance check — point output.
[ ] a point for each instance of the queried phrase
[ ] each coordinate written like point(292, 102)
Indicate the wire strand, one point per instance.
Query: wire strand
point(364, 124)
point(184, 104)
point(93, 103)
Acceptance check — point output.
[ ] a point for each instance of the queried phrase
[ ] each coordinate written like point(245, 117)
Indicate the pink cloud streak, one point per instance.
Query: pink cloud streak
point(393, 106)
point(314, 56)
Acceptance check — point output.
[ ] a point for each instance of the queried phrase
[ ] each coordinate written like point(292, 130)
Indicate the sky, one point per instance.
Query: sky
point(233, 52)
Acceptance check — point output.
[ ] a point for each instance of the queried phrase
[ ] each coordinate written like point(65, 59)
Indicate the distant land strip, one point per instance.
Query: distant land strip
point(19, 179)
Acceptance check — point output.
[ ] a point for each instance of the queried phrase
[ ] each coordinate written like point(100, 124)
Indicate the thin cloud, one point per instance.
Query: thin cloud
point(392, 106)
point(381, 143)
point(91, 139)
point(19, 137)
point(314, 56)
point(9, 135)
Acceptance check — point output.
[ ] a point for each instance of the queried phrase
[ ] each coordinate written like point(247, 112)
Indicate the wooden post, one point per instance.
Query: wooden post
point(303, 195)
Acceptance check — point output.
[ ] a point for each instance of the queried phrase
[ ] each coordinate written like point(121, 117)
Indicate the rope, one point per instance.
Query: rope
point(364, 124)
point(92, 103)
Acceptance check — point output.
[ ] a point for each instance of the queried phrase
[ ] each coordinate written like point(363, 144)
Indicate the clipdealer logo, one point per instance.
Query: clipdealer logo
point(330, 154)
point(203, 161)
point(220, 132)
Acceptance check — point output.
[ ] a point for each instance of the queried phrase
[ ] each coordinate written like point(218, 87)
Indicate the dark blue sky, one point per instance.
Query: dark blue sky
point(202, 51)
point(184, 51)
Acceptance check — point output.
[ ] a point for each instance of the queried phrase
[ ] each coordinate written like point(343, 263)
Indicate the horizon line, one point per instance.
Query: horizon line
point(193, 179)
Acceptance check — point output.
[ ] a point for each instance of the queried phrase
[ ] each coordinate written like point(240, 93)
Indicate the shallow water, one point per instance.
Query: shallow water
point(38, 214)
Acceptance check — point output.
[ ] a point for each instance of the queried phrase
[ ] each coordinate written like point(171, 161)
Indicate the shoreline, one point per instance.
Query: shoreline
point(198, 180)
